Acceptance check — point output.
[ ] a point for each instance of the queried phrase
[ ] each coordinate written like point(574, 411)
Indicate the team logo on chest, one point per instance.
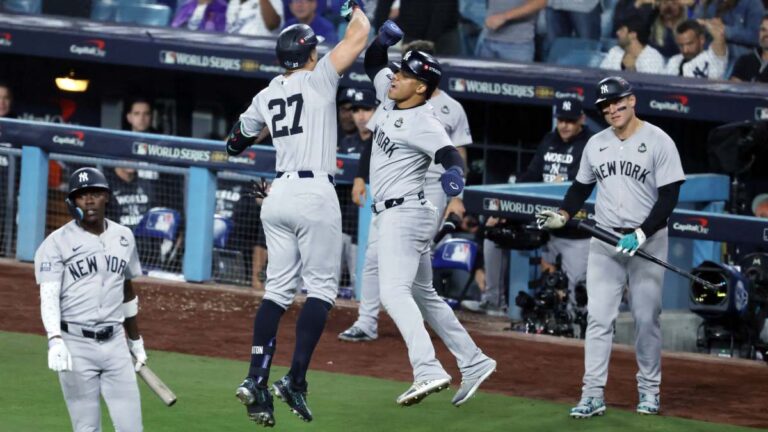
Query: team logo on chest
point(624, 167)
point(642, 148)
point(445, 110)
point(399, 122)
point(123, 241)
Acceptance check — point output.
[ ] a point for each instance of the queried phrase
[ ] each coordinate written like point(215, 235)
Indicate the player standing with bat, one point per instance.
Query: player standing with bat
point(638, 172)
point(87, 304)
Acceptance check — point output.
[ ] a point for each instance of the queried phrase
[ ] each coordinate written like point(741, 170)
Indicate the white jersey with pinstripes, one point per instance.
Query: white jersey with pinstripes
point(300, 112)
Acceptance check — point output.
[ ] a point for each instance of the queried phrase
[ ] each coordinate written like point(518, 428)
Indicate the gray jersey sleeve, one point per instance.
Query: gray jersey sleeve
point(460, 134)
point(430, 136)
point(49, 264)
point(381, 83)
point(585, 174)
point(324, 79)
point(251, 120)
point(668, 168)
point(133, 269)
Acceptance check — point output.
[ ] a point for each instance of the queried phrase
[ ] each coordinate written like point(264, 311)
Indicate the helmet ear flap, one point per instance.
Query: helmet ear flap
point(74, 210)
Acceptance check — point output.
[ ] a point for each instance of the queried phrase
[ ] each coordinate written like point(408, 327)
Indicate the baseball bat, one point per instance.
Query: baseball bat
point(613, 239)
point(157, 385)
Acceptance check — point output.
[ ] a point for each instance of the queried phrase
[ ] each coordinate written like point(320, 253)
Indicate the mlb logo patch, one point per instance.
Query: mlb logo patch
point(458, 84)
point(491, 204)
point(45, 266)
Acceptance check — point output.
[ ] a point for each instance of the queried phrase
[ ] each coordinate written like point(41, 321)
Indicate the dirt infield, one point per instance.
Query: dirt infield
point(217, 322)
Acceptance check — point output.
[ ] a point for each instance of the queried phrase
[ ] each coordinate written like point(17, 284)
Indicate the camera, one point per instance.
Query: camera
point(545, 310)
point(515, 236)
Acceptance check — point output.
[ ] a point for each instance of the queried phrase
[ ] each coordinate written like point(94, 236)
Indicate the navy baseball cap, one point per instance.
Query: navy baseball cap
point(568, 109)
point(346, 95)
point(364, 98)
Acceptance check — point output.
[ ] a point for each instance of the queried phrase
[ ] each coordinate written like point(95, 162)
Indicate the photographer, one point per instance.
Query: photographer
point(556, 160)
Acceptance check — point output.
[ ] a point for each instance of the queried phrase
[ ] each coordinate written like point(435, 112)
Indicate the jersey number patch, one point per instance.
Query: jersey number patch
point(297, 100)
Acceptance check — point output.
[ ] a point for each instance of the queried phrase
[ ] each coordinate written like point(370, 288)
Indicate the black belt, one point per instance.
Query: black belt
point(394, 202)
point(306, 174)
point(101, 334)
point(624, 230)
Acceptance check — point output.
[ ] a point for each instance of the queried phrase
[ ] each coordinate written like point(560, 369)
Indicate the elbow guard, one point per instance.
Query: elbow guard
point(237, 141)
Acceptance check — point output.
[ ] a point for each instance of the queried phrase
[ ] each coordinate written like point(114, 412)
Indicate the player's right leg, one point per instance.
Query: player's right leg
point(81, 386)
point(403, 238)
point(606, 279)
point(118, 385)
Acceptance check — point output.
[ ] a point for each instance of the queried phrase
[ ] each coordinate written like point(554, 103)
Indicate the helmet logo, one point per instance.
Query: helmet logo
point(83, 177)
point(407, 55)
point(301, 41)
point(604, 89)
point(425, 67)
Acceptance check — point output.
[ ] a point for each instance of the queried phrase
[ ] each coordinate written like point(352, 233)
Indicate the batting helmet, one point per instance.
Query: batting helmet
point(422, 66)
point(294, 46)
point(84, 178)
point(612, 88)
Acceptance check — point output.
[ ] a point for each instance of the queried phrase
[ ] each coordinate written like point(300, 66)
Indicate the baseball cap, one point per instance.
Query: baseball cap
point(346, 95)
point(364, 98)
point(568, 109)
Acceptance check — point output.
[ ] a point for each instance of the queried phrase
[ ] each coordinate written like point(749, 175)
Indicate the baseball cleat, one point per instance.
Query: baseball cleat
point(470, 385)
point(588, 407)
point(649, 404)
point(257, 401)
point(421, 389)
point(355, 334)
point(296, 399)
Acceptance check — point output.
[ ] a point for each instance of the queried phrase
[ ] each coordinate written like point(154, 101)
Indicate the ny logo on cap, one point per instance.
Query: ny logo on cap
point(83, 177)
point(566, 105)
point(604, 89)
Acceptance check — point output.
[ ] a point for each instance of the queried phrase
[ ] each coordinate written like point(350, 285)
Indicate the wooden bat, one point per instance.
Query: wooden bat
point(157, 385)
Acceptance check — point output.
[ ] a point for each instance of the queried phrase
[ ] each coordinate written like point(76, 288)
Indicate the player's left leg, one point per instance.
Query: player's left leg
point(645, 292)
point(118, 384)
point(319, 224)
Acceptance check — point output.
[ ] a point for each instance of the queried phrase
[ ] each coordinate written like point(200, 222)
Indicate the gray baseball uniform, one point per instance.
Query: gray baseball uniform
point(302, 209)
point(451, 114)
point(92, 271)
point(404, 144)
point(628, 174)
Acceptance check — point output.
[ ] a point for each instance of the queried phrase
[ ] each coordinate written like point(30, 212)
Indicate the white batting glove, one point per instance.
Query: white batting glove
point(59, 359)
point(137, 349)
point(550, 219)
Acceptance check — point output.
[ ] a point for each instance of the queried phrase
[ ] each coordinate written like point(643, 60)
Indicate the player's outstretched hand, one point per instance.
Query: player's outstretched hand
point(137, 350)
point(358, 191)
point(452, 181)
point(389, 33)
point(348, 7)
point(59, 359)
point(550, 219)
point(630, 243)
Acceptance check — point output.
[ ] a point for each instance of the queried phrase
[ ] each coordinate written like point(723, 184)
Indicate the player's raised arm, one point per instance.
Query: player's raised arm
point(376, 54)
point(349, 48)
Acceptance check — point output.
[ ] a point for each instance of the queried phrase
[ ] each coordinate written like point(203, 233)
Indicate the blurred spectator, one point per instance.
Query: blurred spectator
point(346, 121)
point(205, 15)
point(573, 18)
point(741, 19)
point(255, 17)
point(6, 101)
point(433, 20)
point(131, 196)
point(633, 9)
point(760, 205)
point(139, 116)
point(633, 52)
point(694, 61)
point(363, 105)
point(751, 67)
point(671, 14)
point(472, 21)
point(305, 12)
point(249, 238)
point(510, 29)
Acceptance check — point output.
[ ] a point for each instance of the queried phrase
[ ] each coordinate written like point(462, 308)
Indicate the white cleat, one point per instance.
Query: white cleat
point(421, 389)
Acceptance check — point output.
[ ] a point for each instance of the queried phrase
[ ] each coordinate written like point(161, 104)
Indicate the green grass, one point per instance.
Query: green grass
point(31, 400)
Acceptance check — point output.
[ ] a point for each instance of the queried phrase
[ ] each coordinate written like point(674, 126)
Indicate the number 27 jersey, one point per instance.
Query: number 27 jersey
point(300, 112)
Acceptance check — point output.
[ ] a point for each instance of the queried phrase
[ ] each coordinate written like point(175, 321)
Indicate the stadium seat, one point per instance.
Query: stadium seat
point(144, 14)
point(228, 264)
point(574, 52)
point(103, 10)
point(455, 254)
point(156, 235)
point(23, 6)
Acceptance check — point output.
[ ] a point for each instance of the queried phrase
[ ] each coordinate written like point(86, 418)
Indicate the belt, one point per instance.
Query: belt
point(102, 334)
point(394, 202)
point(624, 230)
point(305, 174)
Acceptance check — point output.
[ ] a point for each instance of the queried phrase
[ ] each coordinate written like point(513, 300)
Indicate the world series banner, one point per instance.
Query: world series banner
point(152, 148)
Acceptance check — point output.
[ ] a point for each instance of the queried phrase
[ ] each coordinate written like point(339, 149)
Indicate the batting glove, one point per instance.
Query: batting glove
point(550, 219)
point(348, 7)
point(59, 359)
point(452, 181)
point(137, 350)
point(389, 33)
point(630, 243)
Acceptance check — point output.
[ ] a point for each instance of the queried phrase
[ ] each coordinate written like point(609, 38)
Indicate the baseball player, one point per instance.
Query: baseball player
point(638, 174)
point(451, 114)
point(301, 215)
point(407, 137)
point(86, 299)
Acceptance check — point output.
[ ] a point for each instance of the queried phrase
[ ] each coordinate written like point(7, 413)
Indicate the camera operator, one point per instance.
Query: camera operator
point(556, 160)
